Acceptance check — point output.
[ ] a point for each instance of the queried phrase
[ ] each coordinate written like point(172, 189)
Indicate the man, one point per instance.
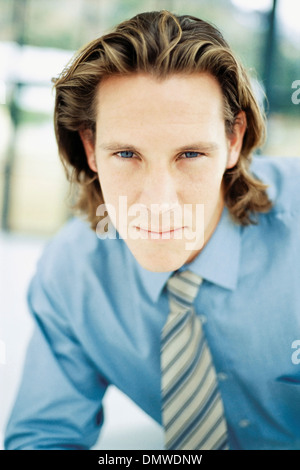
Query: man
point(157, 120)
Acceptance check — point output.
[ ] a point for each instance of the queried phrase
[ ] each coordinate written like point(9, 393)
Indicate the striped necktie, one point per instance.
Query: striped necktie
point(192, 408)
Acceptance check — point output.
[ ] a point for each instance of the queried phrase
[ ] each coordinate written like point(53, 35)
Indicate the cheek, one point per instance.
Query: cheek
point(113, 184)
point(119, 192)
point(205, 185)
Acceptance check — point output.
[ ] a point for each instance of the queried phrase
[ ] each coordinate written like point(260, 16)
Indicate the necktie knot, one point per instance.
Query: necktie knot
point(183, 287)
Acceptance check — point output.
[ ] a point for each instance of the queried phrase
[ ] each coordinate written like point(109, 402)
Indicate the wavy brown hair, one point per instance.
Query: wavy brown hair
point(161, 44)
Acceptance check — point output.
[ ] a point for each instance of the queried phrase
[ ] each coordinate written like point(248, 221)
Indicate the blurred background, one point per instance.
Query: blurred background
point(37, 39)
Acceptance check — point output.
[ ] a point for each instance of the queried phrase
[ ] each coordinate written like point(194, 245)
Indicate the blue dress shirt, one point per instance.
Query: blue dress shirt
point(98, 317)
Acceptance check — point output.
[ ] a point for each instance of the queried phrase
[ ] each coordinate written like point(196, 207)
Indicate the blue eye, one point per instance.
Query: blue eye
point(126, 154)
point(191, 154)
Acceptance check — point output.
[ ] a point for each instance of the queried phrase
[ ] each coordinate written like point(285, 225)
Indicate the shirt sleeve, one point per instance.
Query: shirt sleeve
point(59, 402)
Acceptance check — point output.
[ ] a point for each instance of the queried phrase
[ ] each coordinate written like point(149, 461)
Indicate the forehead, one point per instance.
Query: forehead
point(141, 102)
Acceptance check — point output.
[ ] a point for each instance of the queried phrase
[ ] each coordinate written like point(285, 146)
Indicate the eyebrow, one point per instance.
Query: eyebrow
point(196, 146)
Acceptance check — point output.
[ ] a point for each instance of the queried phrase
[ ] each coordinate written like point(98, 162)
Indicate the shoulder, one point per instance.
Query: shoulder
point(282, 176)
point(73, 241)
point(76, 252)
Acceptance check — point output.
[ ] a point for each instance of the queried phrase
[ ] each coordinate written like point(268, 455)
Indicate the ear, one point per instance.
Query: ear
point(88, 142)
point(235, 141)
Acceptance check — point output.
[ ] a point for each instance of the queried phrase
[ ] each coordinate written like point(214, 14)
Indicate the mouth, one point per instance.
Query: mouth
point(165, 233)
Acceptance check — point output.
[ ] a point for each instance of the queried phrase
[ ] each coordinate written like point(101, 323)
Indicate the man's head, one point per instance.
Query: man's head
point(161, 112)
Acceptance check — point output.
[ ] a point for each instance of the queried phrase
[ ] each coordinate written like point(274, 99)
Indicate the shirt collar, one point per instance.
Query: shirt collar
point(218, 261)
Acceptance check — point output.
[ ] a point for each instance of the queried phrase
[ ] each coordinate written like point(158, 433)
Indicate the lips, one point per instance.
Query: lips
point(160, 231)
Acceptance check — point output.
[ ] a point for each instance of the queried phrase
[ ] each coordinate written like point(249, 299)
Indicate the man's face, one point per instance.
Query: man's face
point(162, 146)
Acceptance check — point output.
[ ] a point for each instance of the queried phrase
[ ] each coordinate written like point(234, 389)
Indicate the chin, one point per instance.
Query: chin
point(161, 257)
point(161, 263)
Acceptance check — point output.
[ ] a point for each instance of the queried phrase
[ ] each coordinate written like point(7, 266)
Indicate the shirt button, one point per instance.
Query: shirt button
point(203, 319)
point(244, 423)
point(222, 376)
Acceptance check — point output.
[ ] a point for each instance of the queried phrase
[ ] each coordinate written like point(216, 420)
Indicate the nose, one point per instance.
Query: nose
point(159, 189)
